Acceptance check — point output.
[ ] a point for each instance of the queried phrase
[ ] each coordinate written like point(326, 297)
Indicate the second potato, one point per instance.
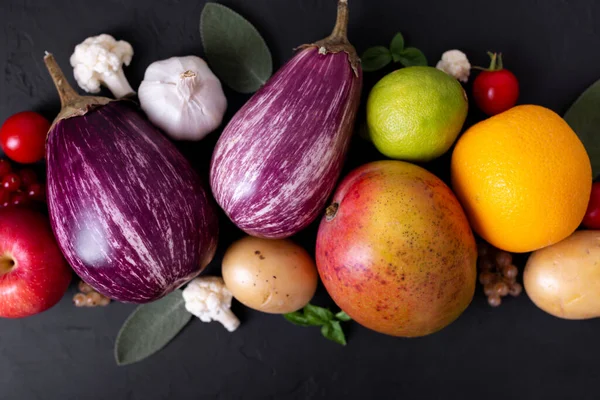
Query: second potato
point(270, 275)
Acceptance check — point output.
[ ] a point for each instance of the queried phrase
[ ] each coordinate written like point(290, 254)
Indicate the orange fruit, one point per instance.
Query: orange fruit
point(523, 178)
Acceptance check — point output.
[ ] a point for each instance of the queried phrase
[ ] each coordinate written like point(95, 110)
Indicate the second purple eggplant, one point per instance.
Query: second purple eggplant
point(277, 161)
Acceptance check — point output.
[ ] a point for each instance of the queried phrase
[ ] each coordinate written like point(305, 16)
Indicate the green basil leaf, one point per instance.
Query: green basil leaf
point(150, 328)
point(342, 316)
point(314, 320)
point(584, 118)
point(412, 56)
point(317, 315)
point(375, 58)
point(397, 46)
point(235, 50)
point(333, 331)
point(297, 318)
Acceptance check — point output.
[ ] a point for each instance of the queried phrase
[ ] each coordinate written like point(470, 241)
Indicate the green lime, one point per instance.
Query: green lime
point(416, 113)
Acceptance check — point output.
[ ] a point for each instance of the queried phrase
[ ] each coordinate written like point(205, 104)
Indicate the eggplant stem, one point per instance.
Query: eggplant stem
point(340, 30)
point(72, 104)
point(337, 41)
point(67, 94)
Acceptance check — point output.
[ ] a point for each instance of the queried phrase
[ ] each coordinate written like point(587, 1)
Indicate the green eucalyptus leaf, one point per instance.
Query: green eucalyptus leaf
point(342, 316)
point(235, 50)
point(317, 315)
point(297, 318)
point(333, 331)
point(375, 58)
point(411, 56)
point(397, 46)
point(584, 118)
point(150, 328)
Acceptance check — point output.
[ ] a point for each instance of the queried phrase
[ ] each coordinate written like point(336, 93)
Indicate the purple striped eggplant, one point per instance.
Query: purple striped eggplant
point(277, 161)
point(129, 213)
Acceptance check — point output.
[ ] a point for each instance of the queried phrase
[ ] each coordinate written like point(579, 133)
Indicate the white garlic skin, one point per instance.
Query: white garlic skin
point(183, 97)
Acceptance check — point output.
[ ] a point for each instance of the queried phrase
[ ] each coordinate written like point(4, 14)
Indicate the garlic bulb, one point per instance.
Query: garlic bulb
point(183, 97)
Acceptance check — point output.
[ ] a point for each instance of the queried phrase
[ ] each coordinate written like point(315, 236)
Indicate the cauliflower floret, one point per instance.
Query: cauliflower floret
point(99, 60)
point(455, 63)
point(209, 299)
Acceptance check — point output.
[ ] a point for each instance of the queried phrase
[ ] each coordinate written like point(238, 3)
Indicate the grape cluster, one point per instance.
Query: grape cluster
point(19, 187)
point(88, 297)
point(497, 274)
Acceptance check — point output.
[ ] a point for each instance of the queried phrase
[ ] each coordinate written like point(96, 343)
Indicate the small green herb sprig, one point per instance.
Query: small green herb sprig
point(375, 58)
point(329, 322)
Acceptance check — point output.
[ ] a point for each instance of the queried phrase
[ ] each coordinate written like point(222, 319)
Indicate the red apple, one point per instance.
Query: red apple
point(33, 273)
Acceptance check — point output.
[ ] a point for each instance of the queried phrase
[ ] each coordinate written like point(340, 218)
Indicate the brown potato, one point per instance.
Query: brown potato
point(564, 279)
point(273, 276)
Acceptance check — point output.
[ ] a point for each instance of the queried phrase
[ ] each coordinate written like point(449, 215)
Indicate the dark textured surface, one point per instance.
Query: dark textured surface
point(515, 351)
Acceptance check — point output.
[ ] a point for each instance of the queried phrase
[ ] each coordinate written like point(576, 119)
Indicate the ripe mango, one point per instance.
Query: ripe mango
point(395, 250)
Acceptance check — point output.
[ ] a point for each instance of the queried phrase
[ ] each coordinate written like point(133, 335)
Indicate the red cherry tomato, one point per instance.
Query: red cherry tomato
point(591, 220)
point(496, 89)
point(23, 137)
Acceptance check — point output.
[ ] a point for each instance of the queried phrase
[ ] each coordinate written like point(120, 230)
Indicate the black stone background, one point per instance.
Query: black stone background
point(515, 351)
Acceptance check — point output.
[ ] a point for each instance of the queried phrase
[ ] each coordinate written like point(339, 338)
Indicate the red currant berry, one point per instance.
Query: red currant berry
point(17, 198)
point(36, 192)
point(28, 176)
point(11, 182)
point(4, 198)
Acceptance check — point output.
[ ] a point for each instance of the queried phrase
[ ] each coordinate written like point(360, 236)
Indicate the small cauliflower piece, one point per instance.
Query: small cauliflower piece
point(209, 299)
point(456, 64)
point(99, 60)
